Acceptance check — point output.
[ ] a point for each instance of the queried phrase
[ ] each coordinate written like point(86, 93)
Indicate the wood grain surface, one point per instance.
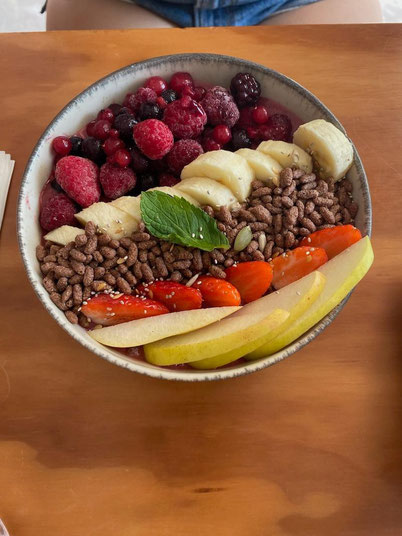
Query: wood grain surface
point(309, 447)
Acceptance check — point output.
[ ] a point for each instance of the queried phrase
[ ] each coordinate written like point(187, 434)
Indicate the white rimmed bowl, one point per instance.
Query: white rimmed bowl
point(211, 68)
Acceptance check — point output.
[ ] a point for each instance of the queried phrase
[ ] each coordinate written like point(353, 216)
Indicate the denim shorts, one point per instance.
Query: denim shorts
point(187, 13)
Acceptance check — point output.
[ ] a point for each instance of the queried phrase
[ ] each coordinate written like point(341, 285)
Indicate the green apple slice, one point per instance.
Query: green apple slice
point(342, 273)
point(265, 167)
point(295, 298)
point(64, 234)
point(226, 167)
point(228, 335)
point(207, 192)
point(109, 219)
point(147, 330)
point(287, 154)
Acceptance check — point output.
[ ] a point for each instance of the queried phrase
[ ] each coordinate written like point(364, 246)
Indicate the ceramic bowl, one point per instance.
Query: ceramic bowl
point(212, 68)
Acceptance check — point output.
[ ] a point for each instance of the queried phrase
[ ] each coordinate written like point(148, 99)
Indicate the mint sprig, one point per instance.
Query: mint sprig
point(176, 220)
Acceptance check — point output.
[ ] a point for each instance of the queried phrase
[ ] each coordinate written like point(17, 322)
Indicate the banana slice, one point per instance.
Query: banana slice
point(287, 154)
point(266, 169)
point(207, 192)
point(129, 204)
point(171, 191)
point(328, 146)
point(64, 234)
point(109, 219)
point(230, 169)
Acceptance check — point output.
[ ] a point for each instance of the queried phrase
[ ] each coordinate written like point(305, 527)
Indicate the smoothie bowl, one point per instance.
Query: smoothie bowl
point(194, 217)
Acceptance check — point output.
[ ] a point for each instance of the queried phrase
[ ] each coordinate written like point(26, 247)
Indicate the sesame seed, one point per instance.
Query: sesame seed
point(109, 309)
point(84, 303)
point(201, 236)
point(192, 235)
point(298, 292)
point(308, 239)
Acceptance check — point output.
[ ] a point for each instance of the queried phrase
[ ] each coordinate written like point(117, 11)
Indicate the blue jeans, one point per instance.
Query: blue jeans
point(187, 13)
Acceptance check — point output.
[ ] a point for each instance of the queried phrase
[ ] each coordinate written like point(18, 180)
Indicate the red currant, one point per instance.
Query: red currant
point(188, 91)
point(160, 101)
point(122, 157)
point(180, 80)
point(157, 84)
point(90, 128)
point(111, 145)
point(252, 132)
point(199, 93)
point(221, 134)
point(101, 129)
point(260, 115)
point(62, 145)
point(113, 133)
point(211, 145)
point(106, 114)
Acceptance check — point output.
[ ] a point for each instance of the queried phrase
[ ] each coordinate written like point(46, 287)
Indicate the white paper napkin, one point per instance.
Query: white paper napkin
point(6, 171)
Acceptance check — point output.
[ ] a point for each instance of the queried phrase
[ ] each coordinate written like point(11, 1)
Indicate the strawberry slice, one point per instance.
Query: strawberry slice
point(334, 239)
point(252, 279)
point(217, 292)
point(175, 296)
point(295, 264)
point(110, 310)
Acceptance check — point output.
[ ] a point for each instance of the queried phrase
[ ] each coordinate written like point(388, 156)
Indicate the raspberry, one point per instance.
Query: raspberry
point(157, 84)
point(221, 134)
point(116, 181)
point(165, 179)
point(79, 178)
point(240, 139)
point(153, 138)
point(199, 93)
point(220, 107)
point(246, 90)
point(278, 127)
point(57, 210)
point(62, 145)
point(181, 80)
point(182, 153)
point(185, 118)
point(134, 100)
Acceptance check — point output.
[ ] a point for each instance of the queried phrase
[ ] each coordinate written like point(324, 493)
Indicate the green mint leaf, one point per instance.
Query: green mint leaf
point(175, 220)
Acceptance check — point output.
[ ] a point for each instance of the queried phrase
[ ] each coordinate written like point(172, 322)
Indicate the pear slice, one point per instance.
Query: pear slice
point(287, 154)
point(109, 219)
point(265, 167)
point(64, 234)
point(147, 330)
point(226, 167)
point(342, 273)
point(295, 299)
point(207, 192)
point(237, 334)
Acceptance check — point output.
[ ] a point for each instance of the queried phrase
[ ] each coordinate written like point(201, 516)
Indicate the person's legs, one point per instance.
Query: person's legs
point(100, 14)
point(331, 12)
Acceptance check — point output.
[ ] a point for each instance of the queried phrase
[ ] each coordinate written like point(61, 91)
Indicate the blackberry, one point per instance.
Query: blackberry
point(139, 162)
point(240, 139)
point(92, 149)
point(150, 110)
point(169, 95)
point(246, 90)
point(124, 123)
point(76, 144)
point(147, 181)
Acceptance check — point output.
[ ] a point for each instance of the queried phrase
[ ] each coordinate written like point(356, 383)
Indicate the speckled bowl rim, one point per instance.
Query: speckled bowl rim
point(188, 375)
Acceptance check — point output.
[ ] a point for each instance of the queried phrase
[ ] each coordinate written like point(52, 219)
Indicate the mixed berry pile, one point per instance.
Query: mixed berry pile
point(148, 139)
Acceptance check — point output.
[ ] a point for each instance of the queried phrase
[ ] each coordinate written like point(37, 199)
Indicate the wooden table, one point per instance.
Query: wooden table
point(309, 447)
